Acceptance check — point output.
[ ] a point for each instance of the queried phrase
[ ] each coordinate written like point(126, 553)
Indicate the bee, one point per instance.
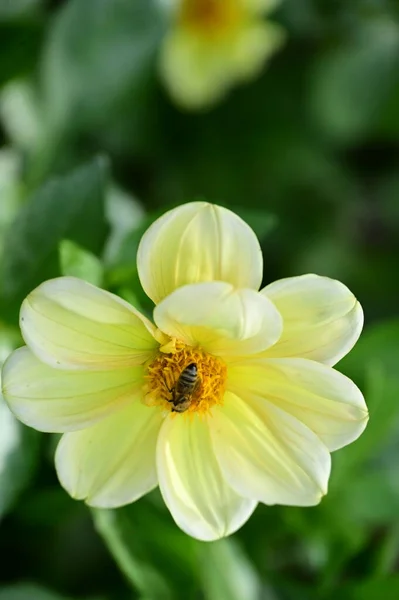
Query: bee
point(184, 388)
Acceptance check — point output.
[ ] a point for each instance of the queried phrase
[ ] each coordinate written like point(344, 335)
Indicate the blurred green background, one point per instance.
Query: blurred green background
point(91, 151)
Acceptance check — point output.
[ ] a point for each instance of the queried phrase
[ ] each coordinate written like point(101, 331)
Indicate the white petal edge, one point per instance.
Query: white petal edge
point(221, 319)
point(57, 401)
point(267, 454)
point(322, 318)
point(112, 463)
point(199, 499)
point(71, 324)
point(198, 242)
point(325, 400)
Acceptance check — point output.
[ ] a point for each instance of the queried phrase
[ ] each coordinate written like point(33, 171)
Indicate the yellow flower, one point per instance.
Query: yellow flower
point(214, 43)
point(263, 412)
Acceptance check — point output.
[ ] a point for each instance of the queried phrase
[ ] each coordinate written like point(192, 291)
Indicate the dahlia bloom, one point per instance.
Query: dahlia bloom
point(211, 44)
point(267, 407)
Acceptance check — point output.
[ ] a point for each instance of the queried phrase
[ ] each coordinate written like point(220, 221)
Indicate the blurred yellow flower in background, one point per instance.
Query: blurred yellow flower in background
point(212, 44)
point(229, 399)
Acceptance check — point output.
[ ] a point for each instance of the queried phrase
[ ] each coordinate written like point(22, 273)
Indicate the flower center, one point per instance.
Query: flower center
point(210, 17)
point(187, 380)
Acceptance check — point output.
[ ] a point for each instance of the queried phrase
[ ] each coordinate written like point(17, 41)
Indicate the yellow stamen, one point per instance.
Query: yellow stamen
point(211, 17)
point(163, 374)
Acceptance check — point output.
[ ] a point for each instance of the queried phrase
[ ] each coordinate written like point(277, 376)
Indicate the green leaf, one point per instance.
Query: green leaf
point(19, 445)
point(124, 544)
point(386, 588)
point(372, 497)
point(160, 561)
point(373, 365)
point(378, 346)
point(295, 590)
point(10, 163)
point(345, 104)
point(227, 573)
point(156, 557)
point(261, 221)
point(48, 507)
point(77, 262)
point(387, 552)
point(19, 48)
point(31, 591)
point(27, 591)
point(70, 207)
point(93, 42)
point(381, 393)
point(18, 8)
point(122, 273)
point(124, 214)
point(20, 114)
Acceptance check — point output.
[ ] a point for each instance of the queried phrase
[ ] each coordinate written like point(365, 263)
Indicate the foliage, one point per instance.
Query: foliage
point(92, 151)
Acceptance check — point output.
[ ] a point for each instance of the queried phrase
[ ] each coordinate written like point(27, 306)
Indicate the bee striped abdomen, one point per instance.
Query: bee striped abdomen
point(184, 388)
point(187, 380)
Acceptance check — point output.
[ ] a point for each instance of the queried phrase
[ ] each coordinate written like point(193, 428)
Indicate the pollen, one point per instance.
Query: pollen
point(211, 17)
point(164, 372)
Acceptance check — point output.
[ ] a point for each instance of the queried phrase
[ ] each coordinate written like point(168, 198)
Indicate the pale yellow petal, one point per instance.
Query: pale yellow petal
point(200, 500)
point(268, 454)
point(322, 318)
point(198, 242)
point(71, 324)
point(323, 399)
point(53, 400)
point(112, 463)
point(195, 73)
point(253, 45)
point(198, 69)
point(221, 319)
